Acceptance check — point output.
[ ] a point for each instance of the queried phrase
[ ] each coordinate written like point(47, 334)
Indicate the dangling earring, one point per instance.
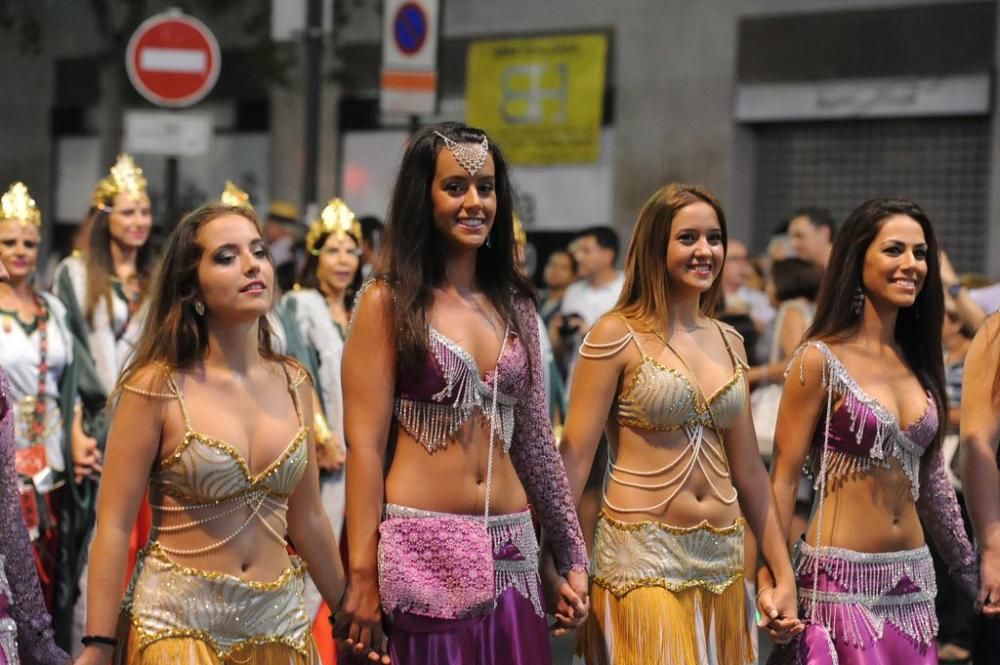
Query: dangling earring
point(199, 307)
point(859, 301)
point(489, 240)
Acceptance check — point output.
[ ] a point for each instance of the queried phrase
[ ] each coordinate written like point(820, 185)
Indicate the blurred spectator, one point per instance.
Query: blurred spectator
point(560, 272)
point(371, 240)
point(595, 250)
point(792, 288)
point(283, 234)
point(810, 233)
point(967, 309)
point(738, 296)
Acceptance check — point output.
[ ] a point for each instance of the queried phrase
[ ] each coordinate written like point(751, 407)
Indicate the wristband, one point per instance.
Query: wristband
point(87, 640)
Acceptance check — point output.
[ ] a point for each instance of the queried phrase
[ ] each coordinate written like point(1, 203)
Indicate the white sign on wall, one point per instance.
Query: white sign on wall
point(168, 133)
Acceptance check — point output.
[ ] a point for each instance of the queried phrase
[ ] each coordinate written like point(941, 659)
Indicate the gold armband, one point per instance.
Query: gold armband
point(321, 429)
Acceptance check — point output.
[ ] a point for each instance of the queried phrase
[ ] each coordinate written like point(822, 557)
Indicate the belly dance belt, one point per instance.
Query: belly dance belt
point(630, 555)
point(166, 600)
point(427, 567)
point(853, 595)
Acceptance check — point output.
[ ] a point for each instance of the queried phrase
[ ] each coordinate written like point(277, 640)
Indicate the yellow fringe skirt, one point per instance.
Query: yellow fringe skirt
point(664, 595)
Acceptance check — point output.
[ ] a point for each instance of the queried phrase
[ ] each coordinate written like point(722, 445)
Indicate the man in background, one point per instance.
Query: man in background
point(811, 232)
point(283, 233)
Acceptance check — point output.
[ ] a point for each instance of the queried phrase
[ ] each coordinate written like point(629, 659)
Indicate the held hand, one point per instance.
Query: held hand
point(566, 597)
point(779, 612)
point(337, 451)
point(358, 624)
point(86, 456)
point(988, 600)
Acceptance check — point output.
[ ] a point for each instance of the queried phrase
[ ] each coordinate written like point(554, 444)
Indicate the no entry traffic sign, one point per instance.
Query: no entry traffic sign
point(410, 28)
point(409, 56)
point(173, 59)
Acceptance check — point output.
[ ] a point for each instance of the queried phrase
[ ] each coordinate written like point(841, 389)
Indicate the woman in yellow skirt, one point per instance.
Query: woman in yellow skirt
point(667, 383)
point(214, 423)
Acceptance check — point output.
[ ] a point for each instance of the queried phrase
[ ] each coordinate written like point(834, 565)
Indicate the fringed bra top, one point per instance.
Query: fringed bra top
point(861, 433)
point(661, 398)
point(433, 405)
point(210, 477)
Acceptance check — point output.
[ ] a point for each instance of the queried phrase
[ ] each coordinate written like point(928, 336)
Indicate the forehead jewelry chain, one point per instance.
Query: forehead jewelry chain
point(471, 156)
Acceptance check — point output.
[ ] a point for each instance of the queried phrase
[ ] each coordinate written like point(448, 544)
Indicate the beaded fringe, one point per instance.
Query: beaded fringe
point(654, 626)
point(889, 442)
point(521, 575)
point(867, 580)
point(175, 650)
point(434, 423)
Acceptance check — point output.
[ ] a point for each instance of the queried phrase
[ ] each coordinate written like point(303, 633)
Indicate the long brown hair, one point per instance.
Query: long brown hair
point(173, 334)
point(645, 294)
point(918, 328)
point(413, 258)
point(101, 266)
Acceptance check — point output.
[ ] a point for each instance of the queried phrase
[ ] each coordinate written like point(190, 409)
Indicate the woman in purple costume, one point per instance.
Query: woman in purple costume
point(861, 407)
point(443, 386)
point(25, 626)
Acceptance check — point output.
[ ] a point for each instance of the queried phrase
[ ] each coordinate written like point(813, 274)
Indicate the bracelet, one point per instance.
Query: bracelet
point(762, 590)
point(87, 640)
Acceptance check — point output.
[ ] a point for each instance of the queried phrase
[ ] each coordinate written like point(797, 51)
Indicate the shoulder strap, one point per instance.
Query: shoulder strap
point(733, 357)
point(601, 350)
point(293, 388)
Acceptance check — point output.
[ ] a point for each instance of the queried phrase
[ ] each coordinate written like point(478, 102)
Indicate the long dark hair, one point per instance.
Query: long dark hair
point(173, 334)
point(918, 327)
point(413, 257)
point(645, 293)
point(101, 266)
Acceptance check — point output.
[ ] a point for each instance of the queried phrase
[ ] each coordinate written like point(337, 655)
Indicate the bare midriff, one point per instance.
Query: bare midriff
point(646, 450)
point(453, 480)
point(870, 511)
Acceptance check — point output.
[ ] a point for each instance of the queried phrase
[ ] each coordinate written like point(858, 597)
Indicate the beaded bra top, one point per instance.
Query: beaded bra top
point(861, 433)
point(661, 398)
point(433, 404)
point(212, 479)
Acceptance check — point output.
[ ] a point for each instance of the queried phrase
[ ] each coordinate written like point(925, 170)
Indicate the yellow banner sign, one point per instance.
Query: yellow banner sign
point(539, 98)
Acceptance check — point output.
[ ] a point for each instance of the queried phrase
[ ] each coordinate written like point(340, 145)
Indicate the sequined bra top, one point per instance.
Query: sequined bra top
point(212, 479)
point(433, 404)
point(661, 398)
point(861, 433)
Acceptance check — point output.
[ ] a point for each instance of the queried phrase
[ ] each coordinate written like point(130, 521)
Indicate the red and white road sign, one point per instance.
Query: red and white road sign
point(173, 59)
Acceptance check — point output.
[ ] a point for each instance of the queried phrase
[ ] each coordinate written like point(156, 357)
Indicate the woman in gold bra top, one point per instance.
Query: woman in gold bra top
point(668, 385)
point(212, 421)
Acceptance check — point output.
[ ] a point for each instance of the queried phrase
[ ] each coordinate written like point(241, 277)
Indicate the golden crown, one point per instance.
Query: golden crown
point(336, 219)
point(520, 236)
point(125, 178)
point(17, 204)
point(235, 197)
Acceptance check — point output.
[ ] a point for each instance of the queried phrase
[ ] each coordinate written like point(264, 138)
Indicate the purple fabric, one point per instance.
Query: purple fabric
point(512, 634)
point(843, 427)
point(435, 566)
point(34, 631)
point(422, 387)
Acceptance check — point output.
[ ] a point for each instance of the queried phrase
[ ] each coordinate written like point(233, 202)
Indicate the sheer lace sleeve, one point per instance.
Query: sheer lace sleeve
point(537, 461)
point(34, 625)
point(942, 519)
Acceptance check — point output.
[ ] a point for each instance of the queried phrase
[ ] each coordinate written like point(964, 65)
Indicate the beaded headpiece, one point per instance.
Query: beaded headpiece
point(337, 220)
point(471, 156)
point(125, 178)
point(235, 197)
point(18, 205)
